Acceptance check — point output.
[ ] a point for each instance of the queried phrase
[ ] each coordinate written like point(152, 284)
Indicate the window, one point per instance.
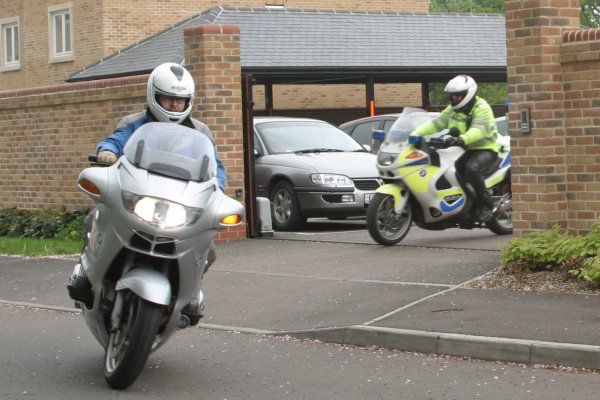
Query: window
point(10, 44)
point(60, 33)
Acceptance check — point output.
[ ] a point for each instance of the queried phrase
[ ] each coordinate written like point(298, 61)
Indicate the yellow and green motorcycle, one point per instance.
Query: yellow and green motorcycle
point(421, 186)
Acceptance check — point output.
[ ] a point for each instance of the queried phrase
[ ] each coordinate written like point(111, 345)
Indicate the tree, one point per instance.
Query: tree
point(590, 13)
point(473, 6)
point(590, 9)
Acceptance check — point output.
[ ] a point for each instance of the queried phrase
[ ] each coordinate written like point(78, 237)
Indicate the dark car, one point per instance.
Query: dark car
point(309, 168)
point(362, 129)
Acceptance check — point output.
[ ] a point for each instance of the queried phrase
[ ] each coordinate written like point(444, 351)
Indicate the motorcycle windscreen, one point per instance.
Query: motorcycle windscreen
point(172, 150)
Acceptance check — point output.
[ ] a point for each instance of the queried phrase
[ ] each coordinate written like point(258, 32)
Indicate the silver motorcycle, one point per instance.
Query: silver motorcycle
point(148, 243)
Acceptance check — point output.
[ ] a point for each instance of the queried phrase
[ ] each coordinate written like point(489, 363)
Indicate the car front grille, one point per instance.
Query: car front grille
point(367, 184)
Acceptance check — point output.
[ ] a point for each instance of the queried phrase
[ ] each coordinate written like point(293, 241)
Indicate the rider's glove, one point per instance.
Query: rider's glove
point(107, 157)
point(453, 141)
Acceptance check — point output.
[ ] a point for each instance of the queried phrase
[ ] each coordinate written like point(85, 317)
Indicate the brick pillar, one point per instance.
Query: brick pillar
point(212, 55)
point(539, 159)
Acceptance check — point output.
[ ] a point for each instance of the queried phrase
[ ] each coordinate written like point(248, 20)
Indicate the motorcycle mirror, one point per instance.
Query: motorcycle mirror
point(378, 135)
point(415, 140)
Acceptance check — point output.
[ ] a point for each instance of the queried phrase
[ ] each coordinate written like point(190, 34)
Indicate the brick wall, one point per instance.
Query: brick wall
point(553, 71)
point(580, 59)
point(48, 132)
point(213, 57)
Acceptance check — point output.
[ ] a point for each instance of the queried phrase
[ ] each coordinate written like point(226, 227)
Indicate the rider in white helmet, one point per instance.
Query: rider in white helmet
point(475, 128)
point(170, 95)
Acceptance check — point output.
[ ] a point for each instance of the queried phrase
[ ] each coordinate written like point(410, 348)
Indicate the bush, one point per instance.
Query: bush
point(577, 254)
point(44, 224)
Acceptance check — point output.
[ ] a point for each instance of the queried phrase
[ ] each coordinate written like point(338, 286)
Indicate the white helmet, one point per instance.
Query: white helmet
point(170, 79)
point(458, 85)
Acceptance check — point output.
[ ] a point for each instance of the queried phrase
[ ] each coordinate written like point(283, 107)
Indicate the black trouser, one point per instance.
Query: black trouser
point(471, 166)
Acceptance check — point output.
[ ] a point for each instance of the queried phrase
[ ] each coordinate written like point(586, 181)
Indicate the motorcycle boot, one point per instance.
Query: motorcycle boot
point(194, 310)
point(79, 286)
point(484, 206)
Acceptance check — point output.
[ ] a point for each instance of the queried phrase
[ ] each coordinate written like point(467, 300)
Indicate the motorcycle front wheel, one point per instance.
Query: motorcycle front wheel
point(130, 343)
point(385, 225)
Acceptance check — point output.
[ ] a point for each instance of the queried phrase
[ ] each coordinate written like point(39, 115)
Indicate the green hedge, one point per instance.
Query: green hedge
point(43, 224)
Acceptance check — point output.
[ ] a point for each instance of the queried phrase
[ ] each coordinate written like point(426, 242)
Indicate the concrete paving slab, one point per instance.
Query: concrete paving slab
point(354, 262)
point(292, 303)
point(555, 317)
point(36, 280)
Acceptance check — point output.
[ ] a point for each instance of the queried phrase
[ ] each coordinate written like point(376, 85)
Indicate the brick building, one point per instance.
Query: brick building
point(96, 29)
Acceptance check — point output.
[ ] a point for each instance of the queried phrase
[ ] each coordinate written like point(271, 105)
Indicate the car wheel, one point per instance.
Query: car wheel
point(285, 211)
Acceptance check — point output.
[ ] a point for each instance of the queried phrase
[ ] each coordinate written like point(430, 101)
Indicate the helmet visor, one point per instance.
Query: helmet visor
point(457, 97)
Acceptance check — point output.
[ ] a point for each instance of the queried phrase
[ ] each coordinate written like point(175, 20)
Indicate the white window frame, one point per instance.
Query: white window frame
point(60, 32)
point(9, 26)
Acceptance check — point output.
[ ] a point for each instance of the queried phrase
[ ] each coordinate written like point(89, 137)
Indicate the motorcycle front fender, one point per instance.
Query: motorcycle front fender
point(148, 284)
point(397, 192)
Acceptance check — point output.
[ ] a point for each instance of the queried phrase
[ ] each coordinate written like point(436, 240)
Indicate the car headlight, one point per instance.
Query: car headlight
point(160, 212)
point(386, 159)
point(331, 180)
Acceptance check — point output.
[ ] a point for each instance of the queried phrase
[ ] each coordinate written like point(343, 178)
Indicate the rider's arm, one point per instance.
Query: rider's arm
point(125, 128)
point(435, 125)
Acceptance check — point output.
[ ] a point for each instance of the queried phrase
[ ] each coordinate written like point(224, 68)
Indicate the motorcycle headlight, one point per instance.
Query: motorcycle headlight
point(331, 180)
point(386, 159)
point(160, 212)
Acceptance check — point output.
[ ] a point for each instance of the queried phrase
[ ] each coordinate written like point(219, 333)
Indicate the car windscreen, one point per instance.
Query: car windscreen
point(304, 136)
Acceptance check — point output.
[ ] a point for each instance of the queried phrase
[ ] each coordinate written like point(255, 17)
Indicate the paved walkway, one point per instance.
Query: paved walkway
point(339, 286)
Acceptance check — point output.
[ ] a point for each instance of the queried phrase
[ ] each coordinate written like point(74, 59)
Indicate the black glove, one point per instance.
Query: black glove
point(454, 132)
point(453, 141)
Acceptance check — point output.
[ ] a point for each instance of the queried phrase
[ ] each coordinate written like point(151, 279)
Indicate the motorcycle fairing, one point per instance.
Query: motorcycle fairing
point(396, 190)
point(148, 284)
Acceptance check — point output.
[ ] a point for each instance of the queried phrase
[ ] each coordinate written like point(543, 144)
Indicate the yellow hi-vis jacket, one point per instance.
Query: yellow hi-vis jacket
point(480, 135)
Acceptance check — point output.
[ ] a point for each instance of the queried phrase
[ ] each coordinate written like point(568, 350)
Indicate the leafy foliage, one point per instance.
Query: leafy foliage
point(44, 224)
point(474, 6)
point(578, 254)
point(493, 93)
point(590, 13)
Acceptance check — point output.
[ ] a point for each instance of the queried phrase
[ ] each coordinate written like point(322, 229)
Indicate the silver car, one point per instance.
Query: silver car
point(309, 168)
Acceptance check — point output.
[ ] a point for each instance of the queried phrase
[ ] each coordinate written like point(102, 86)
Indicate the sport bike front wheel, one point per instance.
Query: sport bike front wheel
point(385, 225)
point(130, 343)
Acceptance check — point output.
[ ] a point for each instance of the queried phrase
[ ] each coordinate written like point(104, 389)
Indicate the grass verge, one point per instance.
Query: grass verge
point(33, 247)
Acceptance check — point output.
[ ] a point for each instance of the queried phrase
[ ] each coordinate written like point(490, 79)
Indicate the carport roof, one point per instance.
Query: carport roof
point(318, 45)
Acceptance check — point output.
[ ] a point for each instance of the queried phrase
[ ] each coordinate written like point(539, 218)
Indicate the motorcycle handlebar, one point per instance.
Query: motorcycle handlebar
point(93, 159)
point(437, 143)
